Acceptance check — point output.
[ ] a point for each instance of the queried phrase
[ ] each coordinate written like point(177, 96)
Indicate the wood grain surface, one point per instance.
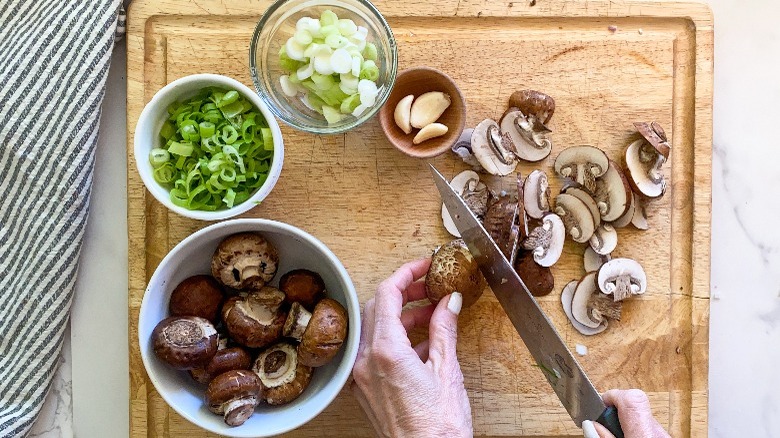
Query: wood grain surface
point(376, 207)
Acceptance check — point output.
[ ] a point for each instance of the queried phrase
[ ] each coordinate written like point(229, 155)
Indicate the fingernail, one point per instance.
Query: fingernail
point(455, 303)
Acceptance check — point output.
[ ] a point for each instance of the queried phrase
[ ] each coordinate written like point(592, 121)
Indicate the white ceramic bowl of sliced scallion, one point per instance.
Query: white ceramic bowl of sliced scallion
point(208, 148)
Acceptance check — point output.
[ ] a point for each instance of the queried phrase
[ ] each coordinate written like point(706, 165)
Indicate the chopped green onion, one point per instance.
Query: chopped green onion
point(158, 157)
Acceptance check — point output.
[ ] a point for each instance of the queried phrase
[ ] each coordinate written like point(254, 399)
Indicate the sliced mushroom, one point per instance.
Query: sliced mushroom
point(627, 217)
point(622, 278)
point(613, 193)
point(281, 374)
point(224, 360)
point(534, 103)
point(603, 305)
point(546, 241)
point(528, 136)
point(578, 192)
point(452, 269)
point(593, 260)
point(244, 261)
point(582, 164)
point(539, 279)
point(462, 148)
point(198, 295)
point(184, 342)
point(325, 333)
point(500, 222)
point(639, 219)
point(567, 296)
point(256, 320)
point(492, 150)
point(643, 168)
point(474, 193)
point(656, 136)
point(579, 305)
point(302, 286)
point(604, 239)
point(536, 194)
point(576, 217)
point(234, 394)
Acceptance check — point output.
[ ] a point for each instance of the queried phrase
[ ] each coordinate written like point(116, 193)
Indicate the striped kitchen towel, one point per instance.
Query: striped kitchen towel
point(54, 58)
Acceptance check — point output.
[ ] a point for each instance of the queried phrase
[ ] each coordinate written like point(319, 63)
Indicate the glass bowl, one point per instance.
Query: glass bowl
point(278, 24)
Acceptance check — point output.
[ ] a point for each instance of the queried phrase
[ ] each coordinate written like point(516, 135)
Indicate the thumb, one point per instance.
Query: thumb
point(443, 331)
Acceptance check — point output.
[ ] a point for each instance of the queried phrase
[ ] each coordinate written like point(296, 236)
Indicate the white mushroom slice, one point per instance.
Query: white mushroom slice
point(567, 296)
point(529, 138)
point(639, 219)
point(462, 148)
point(403, 114)
point(430, 131)
point(604, 239)
point(486, 145)
point(459, 184)
point(613, 193)
point(593, 260)
point(579, 304)
point(582, 164)
point(626, 218)
point(428, 107)
point(536, 194)
point(622, 278)
point(586, 199)
point(643, 168)
point(576, 217)
point(546, 241)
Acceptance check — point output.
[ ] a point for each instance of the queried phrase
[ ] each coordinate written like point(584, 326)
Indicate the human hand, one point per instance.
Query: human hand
point(405, 390)
point(634, 413)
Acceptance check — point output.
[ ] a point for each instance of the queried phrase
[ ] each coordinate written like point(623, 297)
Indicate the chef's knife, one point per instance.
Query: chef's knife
point(568, 380)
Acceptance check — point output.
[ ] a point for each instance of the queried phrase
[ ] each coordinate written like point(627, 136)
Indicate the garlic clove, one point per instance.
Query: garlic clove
point(428, 107)
point(430, 131)
point(403, 114)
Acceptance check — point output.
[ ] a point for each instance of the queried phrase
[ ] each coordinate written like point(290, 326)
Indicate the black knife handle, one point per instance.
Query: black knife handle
point(609, 419)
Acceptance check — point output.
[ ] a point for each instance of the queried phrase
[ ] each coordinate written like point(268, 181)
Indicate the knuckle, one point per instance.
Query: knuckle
point(386, 358)
point(636, 397)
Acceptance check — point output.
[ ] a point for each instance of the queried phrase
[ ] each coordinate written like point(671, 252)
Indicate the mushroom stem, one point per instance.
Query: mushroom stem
point(498, 142)
point(297, 321)
point(239, 410)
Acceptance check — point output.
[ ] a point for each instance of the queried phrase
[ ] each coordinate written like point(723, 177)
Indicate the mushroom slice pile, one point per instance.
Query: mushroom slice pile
point(533, 103)
point(321, 332)
point(587, 307)
point(539, 279)
point(582, 164)
point(536, 194)
point(576, 217)
point(256, 320)
point(546, 241)
point(613, 193)
point(644, 159)
point(244, 261)
point(528, 135)
point(579, 192)
point(493, 150)
point(604, 240)
point(234, 394)
point(453, 268)
point(501, 215)
point(567, 296)
point(473, 192)
point(622, 278)
point(593, 260)
point(281, 374)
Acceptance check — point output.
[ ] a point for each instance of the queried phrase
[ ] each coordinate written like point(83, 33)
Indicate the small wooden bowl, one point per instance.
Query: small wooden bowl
point(416, 81)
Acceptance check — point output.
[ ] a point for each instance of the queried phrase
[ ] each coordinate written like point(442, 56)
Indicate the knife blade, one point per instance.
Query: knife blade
point(560, 368)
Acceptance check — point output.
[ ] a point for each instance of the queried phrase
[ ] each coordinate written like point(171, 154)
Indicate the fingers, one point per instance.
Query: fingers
point(417, 317)
point(443, 332)
point(367, 326)
point(422, 350)
point(390, 297)
point(415, 292)
point(634, 413)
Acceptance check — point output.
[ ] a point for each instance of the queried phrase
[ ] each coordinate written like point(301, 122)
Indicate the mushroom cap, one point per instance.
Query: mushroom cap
point(604, 240)
point(540, 105)
point(282, 376)
point(579, 305)
point(528, 138)
point(643, 169)
point(452, 269)
point(546, 241)
point(485, 153)
point(198, 295)
point(244, 261)
point(613, 193)
point(459, 184)
point(582, 164)
point(622, 277)
point(257, 319)
point(567, 295)
point(656, 136)
point(580, 193)
point(576, 217)
point(500, 222)
point(536, 194)
point(592, 260)
point(324, 335)
point(234, 394)
point(538, 279)
point(184, 342)
point(302, 286)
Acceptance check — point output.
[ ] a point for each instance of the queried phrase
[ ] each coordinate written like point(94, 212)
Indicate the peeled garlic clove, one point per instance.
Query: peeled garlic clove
point(430, 131)
point(427, 108)
point(403, 114)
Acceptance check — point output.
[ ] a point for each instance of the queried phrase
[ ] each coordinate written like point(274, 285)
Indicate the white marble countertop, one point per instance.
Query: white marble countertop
point(90, 394)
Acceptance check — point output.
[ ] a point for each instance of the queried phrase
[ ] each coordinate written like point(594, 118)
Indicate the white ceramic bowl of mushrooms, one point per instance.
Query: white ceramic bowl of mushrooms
point(297, 251)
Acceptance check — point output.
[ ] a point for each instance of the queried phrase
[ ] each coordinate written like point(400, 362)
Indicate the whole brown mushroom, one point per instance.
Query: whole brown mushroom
point(198, 295)
point(234, 394)
point(228, 359)
point(244, 261)
point(302, 286)
point(453, 268)
point(321, 332)
point(184, 342)
point(256, 320)
point(281, 374)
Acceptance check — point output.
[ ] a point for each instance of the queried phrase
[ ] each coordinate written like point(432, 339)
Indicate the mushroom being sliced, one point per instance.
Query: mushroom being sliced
point(622, 278)
point(453, 268)
point(546, 241)
point(257, 319)
point(539, 279)
point(567, 296)
point(604, 239)
point(234, 394)
point(492, 150)
point(536, 194)
point(579, 305)
point(534, 103)
point(593, 260)
point(582, 164)
point(579, 192)
point(528, 135)
point(473, 192)
point(613, 193)
point(500, 222)
point(244, 261)
point(643, 168)
point(576, 217)
point(626, 218)
point(281, 374)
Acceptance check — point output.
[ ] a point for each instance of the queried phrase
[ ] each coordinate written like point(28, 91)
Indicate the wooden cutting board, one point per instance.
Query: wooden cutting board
point(606, 63)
